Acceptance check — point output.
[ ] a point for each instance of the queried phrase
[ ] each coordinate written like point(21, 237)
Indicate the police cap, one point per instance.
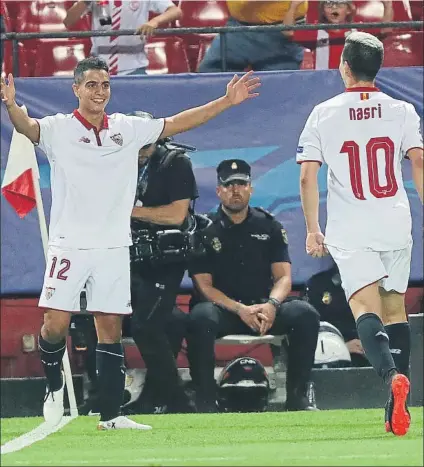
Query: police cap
point(233, 169)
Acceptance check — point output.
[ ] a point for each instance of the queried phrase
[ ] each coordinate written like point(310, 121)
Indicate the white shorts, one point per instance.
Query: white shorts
point(359, 268)
point(105, 273)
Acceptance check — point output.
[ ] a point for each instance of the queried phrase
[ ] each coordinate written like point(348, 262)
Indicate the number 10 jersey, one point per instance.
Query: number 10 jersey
point(363, 135)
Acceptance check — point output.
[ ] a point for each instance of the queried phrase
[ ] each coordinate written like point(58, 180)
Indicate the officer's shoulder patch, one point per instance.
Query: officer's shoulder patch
point(285, 238)
point(268, 214)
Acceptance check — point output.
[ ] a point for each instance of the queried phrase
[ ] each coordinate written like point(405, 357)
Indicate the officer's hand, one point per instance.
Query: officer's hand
point(249, 315)
point(266, 315)
point(315, 245)
point(355, 346)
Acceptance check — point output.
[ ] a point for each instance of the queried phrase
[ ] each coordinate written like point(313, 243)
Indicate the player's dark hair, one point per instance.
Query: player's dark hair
point(90, 63)
point(364, 54)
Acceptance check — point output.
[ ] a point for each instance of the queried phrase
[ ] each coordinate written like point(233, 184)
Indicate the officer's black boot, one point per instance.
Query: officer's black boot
point(206, 399)
point(301, 397)
point(180, 402)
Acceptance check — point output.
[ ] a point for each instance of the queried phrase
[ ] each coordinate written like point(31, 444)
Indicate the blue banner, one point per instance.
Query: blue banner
point(264, 131)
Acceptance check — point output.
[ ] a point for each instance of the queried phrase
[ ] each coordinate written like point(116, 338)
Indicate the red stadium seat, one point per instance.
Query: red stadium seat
point(404, 49)
point(59, 56)
point(373, 11)
point(166, 55)
point(417, 9)
point(198, 14)
point(203, 45)
point(313, 12)
point(13, 8)
point(4, 11)
point(27, 19)
point(7, 65)
point(51, 15)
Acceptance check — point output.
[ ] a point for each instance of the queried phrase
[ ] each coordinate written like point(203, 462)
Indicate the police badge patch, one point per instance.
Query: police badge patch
point(118, 139)
point(49, 291)
point(285, 238)
point(216, 244)
point(327, 298)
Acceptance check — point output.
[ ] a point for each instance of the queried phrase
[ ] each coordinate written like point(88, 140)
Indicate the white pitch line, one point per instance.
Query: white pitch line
point(37, 434)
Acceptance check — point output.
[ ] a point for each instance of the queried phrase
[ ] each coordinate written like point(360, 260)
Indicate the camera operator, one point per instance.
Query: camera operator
point(161, 221)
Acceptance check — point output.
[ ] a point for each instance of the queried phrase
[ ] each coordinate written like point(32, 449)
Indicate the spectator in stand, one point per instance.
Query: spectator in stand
point(258, 50)
point(125, 55)
point(328, 44)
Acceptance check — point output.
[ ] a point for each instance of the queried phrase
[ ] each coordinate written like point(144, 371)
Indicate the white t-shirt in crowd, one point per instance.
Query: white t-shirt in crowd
point(93, 177)
point(363, 135)
point(124, 54)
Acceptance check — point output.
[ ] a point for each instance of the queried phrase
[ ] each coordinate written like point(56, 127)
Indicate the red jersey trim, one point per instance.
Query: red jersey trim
point(363, 89)
point(88, 125)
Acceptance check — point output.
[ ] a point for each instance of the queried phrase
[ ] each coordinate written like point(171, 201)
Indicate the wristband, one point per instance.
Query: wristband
point(274, 302)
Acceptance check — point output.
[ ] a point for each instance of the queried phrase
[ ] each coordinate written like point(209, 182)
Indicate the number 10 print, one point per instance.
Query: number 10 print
point(374, 144)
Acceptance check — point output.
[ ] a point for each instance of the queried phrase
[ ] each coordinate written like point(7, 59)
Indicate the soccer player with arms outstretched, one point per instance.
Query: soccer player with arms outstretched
point(363, 135)
point(93, 158)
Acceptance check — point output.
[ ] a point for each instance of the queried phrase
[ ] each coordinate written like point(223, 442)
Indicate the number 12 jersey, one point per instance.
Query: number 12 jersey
point(363, 135)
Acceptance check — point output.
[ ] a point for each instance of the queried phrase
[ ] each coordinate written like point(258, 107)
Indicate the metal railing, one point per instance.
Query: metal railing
point(15, 37)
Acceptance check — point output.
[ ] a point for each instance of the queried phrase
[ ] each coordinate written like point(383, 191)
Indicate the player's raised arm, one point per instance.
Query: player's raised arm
point(416, 156)
point(238, 90)
point(20, 120)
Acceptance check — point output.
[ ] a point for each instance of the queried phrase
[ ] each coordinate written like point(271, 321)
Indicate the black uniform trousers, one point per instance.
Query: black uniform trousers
point(157, 328)
point(296, 318)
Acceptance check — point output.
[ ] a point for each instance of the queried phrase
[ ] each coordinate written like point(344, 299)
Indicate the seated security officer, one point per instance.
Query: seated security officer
point(240, 287)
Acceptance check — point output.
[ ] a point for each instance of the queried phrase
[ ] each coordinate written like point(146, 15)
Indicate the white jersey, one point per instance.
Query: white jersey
point(363, 135)
point(124, 54)
point(93, 177)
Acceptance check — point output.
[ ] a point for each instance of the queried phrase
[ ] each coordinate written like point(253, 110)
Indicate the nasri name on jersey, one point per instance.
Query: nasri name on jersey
point(365, 113)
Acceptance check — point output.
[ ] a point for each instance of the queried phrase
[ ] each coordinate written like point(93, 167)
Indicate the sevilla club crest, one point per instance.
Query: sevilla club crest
point(49, 291)
point(118, 139)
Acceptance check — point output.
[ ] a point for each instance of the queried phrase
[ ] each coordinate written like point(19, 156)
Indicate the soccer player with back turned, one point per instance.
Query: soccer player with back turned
point(363, 135)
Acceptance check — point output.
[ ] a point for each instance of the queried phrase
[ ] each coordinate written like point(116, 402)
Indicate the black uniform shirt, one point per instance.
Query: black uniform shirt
point(159, 186)
point(325, 293)
point(239, 256)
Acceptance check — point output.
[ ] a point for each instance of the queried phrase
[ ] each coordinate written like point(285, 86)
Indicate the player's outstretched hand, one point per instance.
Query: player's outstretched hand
point(240, 89)
point(8, 90)
point(315, 245)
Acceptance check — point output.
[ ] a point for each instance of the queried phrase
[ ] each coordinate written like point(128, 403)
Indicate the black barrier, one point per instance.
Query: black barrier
point(222, 30)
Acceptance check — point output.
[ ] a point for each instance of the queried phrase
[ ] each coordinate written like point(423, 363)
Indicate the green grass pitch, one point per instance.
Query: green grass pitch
point(336, 437)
